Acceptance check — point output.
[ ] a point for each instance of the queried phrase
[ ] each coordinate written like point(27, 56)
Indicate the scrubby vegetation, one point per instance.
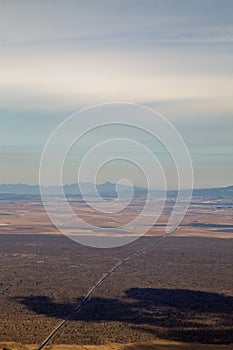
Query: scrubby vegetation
point(181, 290)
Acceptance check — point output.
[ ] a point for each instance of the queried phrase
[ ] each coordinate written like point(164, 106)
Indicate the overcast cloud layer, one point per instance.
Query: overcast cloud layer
point(173, 55)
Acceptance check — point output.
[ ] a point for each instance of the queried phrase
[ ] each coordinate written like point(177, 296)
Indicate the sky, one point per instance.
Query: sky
point(175, 56)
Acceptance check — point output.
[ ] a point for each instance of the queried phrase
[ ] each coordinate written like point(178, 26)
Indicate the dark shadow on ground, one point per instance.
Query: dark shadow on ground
point(175, 314)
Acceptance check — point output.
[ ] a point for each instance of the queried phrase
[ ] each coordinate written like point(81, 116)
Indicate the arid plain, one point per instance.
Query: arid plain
point(178, 295)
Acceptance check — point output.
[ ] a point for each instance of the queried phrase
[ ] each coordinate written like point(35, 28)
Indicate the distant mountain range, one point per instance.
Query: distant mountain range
point(218, 192)
point(107, 189)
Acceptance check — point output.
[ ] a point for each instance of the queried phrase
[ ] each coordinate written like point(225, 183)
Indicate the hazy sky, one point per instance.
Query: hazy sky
point(173, 55)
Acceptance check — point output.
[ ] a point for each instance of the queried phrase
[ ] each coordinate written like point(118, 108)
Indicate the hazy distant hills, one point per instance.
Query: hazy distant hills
point(218, 191)
point(107, 189)
point(19, 189)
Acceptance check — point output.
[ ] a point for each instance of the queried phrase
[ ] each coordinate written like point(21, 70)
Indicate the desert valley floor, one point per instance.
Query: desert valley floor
point(180, 290)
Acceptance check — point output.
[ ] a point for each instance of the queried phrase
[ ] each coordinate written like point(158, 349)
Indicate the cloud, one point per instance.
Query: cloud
point(173, 55)
point(161, 21)
point(61, 80)
point(60, 55)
